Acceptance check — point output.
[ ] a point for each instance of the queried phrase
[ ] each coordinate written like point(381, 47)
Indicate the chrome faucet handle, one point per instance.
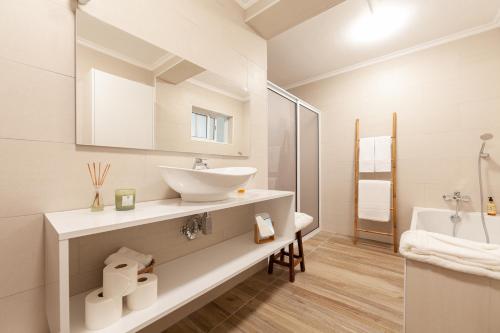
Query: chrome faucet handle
point(447, 197)
point(457, 196)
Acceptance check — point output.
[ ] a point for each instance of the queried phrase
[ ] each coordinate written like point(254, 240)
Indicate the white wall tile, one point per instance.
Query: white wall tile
point(39, 33)
point(24, 312)
point(36, 104)
point(22, 251)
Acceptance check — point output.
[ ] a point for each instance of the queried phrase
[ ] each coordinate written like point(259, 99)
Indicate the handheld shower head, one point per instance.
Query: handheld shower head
point(485, 137)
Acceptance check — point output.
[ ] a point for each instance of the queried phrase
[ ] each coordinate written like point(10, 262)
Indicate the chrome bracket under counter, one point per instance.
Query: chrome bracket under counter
point(196, 223)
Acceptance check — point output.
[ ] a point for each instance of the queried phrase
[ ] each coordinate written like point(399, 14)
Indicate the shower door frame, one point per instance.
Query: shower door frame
point(298, 103)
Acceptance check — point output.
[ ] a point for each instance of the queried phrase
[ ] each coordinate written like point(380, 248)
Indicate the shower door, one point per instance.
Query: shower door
point(282, 143)
point(308, 189)
point(293, 150)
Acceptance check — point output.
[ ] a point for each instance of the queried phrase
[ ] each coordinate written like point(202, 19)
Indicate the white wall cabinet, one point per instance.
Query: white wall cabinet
point(122, 111)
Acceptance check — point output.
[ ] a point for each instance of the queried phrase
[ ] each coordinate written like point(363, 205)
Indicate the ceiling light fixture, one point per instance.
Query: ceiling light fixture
point(380, 22)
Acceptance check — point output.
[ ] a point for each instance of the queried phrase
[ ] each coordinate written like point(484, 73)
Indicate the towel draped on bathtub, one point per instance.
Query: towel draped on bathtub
point(453, 253)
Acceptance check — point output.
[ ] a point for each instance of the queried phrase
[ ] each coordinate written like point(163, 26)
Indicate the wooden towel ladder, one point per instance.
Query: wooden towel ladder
point(394, 214)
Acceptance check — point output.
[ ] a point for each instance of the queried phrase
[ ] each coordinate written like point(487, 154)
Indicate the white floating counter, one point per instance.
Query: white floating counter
point(179, 281)
point(83, 222)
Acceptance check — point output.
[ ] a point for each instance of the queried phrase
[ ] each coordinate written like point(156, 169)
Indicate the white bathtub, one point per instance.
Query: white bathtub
point(438, 220)
point(442, 300)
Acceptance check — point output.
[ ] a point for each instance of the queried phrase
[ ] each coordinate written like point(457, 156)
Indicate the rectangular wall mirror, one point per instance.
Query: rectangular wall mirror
point(133, 94)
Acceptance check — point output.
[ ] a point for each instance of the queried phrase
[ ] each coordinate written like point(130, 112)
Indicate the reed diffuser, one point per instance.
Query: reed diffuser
point(97, 178)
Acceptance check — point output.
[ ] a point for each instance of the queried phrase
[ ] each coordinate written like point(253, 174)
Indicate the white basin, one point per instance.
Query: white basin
point(206, 185)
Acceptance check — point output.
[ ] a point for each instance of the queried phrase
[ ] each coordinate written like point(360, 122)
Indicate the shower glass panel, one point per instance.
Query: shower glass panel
point(282, 154)
point(293, 151)
point(309, 165)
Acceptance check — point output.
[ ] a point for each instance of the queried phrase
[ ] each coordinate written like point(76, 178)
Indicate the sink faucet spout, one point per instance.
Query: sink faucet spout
point(200, 164)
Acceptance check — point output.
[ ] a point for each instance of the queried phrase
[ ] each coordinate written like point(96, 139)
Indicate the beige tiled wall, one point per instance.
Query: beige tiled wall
point(445, 98)
point(43, 170)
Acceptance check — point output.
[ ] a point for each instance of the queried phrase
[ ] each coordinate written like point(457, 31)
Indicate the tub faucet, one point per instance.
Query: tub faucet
point(458, 198)
point(200, 164)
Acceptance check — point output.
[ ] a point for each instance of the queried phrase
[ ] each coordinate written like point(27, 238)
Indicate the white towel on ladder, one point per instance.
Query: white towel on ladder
point(383, 154)
point(374, 200)
point(367, 154)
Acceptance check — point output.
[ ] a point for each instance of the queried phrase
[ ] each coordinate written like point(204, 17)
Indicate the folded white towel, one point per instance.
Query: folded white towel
point(383, 153)
point(452, 253)
point(374, 200)
point(142, 259)
point(367, 155)
point(118, 257)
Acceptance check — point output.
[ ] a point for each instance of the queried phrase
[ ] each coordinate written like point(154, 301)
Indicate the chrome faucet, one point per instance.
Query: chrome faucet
point(200, 164)
point(458, 198)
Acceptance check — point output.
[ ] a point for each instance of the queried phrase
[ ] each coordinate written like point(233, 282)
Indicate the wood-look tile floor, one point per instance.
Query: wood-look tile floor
point(345, 288)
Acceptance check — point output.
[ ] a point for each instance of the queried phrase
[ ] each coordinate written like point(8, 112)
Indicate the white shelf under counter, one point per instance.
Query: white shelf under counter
point(186, 278)
point(179, 281)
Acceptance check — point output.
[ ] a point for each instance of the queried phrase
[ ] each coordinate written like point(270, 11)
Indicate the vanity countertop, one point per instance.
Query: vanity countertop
point(83, 222)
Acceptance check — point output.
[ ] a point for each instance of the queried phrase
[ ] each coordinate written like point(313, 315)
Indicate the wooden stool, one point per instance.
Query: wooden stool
point(301, 221)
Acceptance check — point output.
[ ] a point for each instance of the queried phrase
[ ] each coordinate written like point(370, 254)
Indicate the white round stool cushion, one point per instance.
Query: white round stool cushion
point(302, 220)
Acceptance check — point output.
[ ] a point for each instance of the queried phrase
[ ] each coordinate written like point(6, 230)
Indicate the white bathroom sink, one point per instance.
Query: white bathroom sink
point(206, 185)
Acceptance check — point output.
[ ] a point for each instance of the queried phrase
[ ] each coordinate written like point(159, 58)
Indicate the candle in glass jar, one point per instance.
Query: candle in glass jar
point(125, 199)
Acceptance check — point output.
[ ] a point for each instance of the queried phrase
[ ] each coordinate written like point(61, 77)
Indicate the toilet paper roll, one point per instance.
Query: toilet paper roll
point(119, 278)
point(101, 311)
point(145, 294)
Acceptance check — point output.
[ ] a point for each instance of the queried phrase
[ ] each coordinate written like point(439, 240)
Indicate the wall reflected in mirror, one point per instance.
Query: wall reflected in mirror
point(133, 94)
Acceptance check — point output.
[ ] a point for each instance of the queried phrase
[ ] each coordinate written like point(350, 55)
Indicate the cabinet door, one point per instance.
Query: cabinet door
point(123, 112)
point(309, 165)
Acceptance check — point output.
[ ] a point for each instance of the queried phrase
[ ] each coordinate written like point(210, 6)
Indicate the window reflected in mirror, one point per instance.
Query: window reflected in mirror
point(207, 125)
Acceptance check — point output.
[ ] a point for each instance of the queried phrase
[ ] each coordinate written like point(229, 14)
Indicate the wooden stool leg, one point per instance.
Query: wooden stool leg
point(282, 254)
point(301, 251)
point(271, 264)
point(291, 265)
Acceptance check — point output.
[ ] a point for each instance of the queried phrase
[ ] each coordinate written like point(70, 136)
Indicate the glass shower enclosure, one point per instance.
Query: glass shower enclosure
point(293, 150)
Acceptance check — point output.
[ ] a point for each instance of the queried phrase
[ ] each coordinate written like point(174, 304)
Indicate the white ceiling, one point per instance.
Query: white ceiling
point(323, 45)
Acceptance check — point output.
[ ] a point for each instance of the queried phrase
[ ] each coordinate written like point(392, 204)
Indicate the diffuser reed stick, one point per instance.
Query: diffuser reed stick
point(98, 176)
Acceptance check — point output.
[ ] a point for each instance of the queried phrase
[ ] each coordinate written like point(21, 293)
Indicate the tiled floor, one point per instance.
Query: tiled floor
point(345, 288)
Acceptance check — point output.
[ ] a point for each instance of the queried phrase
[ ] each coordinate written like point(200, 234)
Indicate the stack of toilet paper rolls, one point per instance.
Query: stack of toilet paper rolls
point(120, 279)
